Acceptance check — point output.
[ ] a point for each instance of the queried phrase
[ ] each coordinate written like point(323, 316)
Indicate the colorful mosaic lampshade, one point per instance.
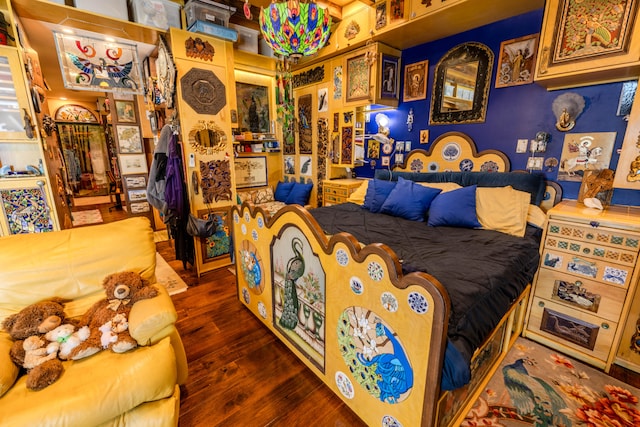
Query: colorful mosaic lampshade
point(295, 29)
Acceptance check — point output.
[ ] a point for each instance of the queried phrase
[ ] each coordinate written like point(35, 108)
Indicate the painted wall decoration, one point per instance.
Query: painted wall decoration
point(253, 107)
point(517, 61)
point(374, 355)
point(390, 80)
point(322, 151)
point(335, 148)
point(305, 138)
point(218, 245)
point(357, 78)
point(415, 81)
point(589, 28)
point(306, 167)
point(289, 165)
point(74, 113)
point(26, 210)
point(215, 180)
point(323, 99)
point(583, 151)
point(396, 10)
point(203, 91)
point(337, 82)
point(199, 49)
point(88, 63)
point(252, 267)
point(299, 294)
point(251, 171)
point(346, 146)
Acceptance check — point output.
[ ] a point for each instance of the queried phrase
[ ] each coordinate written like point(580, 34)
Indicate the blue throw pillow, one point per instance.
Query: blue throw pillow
point(299, 194)
point(282, 191)
point(377, 193)
point(409, 200)
point(455, 208)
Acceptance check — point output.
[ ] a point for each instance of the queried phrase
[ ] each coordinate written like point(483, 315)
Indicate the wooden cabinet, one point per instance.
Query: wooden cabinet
point(589, 42)
point(587, 276)
point(628, 353)
point(336, 191)
point(14, 108)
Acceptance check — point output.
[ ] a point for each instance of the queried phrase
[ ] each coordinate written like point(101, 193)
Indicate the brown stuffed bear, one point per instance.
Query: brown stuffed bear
point(35, 321)
point(108, 318)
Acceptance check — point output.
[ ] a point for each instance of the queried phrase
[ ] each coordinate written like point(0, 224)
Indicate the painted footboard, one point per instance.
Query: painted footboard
point(375, 338)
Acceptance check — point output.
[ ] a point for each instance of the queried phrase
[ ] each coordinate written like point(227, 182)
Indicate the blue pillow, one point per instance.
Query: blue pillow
point(455, 208)
point(282, 191)
point(377, 193)
point(299, 194)
point(409, 200)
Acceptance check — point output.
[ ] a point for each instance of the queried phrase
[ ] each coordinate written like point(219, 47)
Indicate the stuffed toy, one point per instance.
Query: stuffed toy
point(65, 338)
point(35, 321)
point(108, 318)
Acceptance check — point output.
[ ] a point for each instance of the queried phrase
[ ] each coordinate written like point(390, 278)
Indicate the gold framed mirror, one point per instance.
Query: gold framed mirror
point(461, 85)
point(206, 137)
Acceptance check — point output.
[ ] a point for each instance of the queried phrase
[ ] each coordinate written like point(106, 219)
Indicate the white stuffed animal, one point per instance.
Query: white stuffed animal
point(35, 353)
point(67, 338)
point(112, 328)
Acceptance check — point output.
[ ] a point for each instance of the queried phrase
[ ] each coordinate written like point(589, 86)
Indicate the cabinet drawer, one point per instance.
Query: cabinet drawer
point(591, 297)
point(586, 267)
point(592, 249)
point(602, 236)
point(581, 331)
point(338, 191)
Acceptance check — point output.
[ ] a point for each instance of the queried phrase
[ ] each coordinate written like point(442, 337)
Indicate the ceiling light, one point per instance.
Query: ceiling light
point(295, 29)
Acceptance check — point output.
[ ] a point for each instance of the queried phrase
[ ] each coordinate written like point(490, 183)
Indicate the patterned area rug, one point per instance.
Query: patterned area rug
point(168, 278)
point(539, 387)
point(92, 216)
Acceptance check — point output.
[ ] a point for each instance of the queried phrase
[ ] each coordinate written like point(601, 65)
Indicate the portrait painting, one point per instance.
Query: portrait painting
point(389, 86)
point(253, 107)
point(125, 112)
point(517, 61)
point(415, 81)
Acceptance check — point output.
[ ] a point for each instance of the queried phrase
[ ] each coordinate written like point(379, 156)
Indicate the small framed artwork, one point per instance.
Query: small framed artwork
point(389, 86)
point(139, 207)
point(424, 136)
point(415, 81)
point(535, 163)
point(125, 112)
point(137, 195)
point(384, 160)
point(399, 146)
point(306, 168)
point(357, 78)
point(323, 100)
point(135, 181)
point(129, 140)
point(381, 15)
point(251, 171)
point(290, 165)
point(219, 244)
point(517, 61)
point(399, 158)
point(396, 10)
point(133, 164)
point(407, 146)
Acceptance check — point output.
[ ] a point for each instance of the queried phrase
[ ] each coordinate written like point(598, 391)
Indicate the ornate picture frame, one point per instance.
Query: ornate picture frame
point(251, 171)
point(125, 111)
point(389, 77)
point(517, 61)
point(358, 77)
point(415, 81)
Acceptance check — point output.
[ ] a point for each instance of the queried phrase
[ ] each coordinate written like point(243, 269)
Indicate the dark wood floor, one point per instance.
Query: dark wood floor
point(239, 374)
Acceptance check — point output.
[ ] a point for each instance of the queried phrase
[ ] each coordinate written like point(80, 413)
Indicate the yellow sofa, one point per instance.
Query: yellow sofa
point(139, 387)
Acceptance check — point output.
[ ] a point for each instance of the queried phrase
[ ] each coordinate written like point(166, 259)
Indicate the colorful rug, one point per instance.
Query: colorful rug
point(539, 387)
point(92, 216)
point(167, 277)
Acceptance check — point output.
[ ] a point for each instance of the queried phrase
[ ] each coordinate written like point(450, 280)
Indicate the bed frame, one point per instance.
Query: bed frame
point(352, 296)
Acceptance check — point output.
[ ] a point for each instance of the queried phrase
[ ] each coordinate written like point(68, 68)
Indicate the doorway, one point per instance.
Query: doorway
point(84, 150)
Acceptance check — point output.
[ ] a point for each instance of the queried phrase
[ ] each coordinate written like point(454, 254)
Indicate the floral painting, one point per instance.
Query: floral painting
point(219, 244)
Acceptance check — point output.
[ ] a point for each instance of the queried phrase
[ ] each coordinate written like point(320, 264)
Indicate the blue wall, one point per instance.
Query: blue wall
point(513, 113)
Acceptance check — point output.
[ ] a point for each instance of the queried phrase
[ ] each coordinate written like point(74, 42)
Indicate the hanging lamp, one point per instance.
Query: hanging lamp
point(295, 29)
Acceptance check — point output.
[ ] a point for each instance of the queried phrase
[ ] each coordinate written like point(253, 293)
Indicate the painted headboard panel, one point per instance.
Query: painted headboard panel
point(456, 152)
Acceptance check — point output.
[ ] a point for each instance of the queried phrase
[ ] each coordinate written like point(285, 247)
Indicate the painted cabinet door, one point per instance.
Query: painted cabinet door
point(14, 103)
point(25, 206)
point(584, 42)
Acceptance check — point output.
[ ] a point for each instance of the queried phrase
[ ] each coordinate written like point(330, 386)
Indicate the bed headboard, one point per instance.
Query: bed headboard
point(454, 151)
point(453, 158)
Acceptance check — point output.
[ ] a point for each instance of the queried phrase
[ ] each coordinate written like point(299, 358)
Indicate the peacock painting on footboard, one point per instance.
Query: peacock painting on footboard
point(299, 294)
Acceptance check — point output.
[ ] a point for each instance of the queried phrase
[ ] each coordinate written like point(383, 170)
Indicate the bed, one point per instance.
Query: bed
point(400, 319)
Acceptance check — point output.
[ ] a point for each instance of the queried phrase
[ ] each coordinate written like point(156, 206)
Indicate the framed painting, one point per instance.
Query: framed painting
point(396, 10)
point(346, 147)
point(591, 28)
point(88, 63)
point(357, 78)
point(251, 171)
point(305, 137)
point(389, 75)
point(137, 195)
point(415, 81)
point(135, 181)
point(582, 151)
point(125, 112)
point(253, 107)
point(129, 139)
point(381, 15)
point(133, 164)
point(517, 61)
point(139, 207)
point(218, 245)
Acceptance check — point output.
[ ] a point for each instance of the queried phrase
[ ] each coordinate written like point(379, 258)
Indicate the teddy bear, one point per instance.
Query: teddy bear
point(35, 320)
point(107, 319)
point(65, 338)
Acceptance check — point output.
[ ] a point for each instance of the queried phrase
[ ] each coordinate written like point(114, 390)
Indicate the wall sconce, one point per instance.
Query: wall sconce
point(567, 107)
point(383, 123)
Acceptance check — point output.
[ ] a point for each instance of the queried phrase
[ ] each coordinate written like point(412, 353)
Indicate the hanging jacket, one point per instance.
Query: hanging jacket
point(157, 174)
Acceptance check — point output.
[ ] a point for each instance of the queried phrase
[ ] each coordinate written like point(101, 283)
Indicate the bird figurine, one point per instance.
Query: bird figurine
point(295, 270)
point(395, 375)
point(533, 397)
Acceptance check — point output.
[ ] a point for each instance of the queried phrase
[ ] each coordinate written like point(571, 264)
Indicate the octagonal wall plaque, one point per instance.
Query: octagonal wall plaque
point(203, 91)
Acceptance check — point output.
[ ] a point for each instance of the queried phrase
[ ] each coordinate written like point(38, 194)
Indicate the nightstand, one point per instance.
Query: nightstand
point(336, 191)
point(584, 287)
